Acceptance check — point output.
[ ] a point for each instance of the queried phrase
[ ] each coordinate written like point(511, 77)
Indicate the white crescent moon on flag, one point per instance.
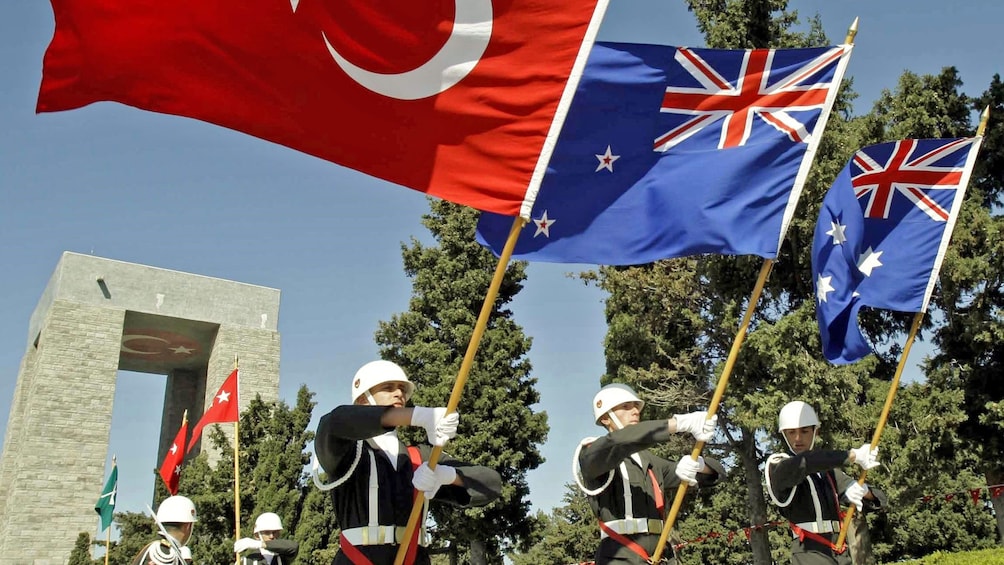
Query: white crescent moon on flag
point(472, 30)
point(127, 338)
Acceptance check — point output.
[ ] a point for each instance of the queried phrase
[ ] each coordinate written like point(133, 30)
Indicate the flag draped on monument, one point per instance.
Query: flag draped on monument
point(454, 98)
point(882, 233)
point(674, 151)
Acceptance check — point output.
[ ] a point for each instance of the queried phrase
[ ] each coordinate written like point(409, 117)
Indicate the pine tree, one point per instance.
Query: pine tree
point(136, 530)
point(81, 554)
point(497, 427)
point(567, 535)
point(971, 297)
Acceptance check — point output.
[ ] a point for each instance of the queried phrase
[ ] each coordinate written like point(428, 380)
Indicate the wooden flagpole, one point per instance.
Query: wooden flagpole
point(723, 380)
point(237, 470)
point(894, 385)
point(465, 369)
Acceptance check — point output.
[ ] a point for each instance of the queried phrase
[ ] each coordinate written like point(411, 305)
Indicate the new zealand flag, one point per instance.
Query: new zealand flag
point(674, 151)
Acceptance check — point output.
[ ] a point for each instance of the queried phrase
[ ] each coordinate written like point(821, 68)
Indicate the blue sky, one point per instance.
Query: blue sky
point(180, 194)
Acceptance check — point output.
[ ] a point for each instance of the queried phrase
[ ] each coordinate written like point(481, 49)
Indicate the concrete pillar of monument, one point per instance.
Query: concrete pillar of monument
point(95, 318)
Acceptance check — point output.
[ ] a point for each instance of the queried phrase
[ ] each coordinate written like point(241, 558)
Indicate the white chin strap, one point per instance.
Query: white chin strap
point(616, 421)
point(370, 399)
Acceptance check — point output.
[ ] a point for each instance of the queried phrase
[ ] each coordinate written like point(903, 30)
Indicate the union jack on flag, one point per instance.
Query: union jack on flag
point(733, 89)
point(882, 233)
point(907, 174)
point(707, 152)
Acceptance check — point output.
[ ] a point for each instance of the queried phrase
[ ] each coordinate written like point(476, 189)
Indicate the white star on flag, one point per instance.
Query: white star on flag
point(177, 470)
point(181, 350)
point(868, 261)
point(606, 161)
point(823, 287)
point(174, 448)
point(837, 233)
point(223, 396)
point(544, 225)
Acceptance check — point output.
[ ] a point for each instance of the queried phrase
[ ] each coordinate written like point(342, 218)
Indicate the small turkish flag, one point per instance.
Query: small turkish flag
point(223, 410)
point(170, 469)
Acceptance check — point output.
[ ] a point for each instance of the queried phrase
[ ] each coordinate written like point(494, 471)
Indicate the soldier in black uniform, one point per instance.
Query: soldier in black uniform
point(374, 477)
point(608, 467)
point(807, 485)
point(269, 548)
point(176, 518)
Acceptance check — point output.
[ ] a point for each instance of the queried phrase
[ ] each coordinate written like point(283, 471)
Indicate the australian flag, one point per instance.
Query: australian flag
point(882, 234)
point(675, 151)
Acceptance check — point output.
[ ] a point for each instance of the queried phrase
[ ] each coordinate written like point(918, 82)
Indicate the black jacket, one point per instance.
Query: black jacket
point(792, 482)
point(603, 456)
point(284, 550)
point(338, 434)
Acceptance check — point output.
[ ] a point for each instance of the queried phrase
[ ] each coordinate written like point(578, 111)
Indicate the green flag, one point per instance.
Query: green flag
point(105, 506)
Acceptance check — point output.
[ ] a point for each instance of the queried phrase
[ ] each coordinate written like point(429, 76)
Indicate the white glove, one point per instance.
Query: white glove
point(698, 424)
point(429, 480)
point(687, 469)
point(856, 494)
point(865, 457)
point(244, 544)
point(439, 426)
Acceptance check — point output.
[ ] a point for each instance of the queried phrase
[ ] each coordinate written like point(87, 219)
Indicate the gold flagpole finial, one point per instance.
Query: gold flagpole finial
point(184, 418)
point(984, 118)
point(851, 32)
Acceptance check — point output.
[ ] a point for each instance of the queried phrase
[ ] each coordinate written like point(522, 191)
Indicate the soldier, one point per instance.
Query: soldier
point(807, 485)
point(176, 518)
point(269, 548)
point(375, 477)
point(627, 485)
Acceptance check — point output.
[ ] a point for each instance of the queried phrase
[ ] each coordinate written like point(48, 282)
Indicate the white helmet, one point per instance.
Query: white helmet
point(379, 372)
point(268, 522)
point(610, 397)
point(795, 415)
point(176, 510)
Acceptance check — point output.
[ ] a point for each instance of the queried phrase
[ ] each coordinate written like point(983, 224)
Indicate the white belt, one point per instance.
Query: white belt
point(825, 527)
point(633, 526)
point(380, 535)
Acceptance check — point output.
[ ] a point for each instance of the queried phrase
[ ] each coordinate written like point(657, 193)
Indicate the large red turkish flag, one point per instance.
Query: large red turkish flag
point(450, 97)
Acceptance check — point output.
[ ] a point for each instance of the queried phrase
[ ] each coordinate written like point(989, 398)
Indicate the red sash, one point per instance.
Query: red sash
point(660, 505)
point(802, 534)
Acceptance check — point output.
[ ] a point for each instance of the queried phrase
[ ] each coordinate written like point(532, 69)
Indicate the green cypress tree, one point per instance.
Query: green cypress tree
point(567, 535)
point(81, 554)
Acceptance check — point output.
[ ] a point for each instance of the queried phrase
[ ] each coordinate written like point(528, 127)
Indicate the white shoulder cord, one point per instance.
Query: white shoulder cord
point(315, 466)
point(577, 473)
point(777, 458)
